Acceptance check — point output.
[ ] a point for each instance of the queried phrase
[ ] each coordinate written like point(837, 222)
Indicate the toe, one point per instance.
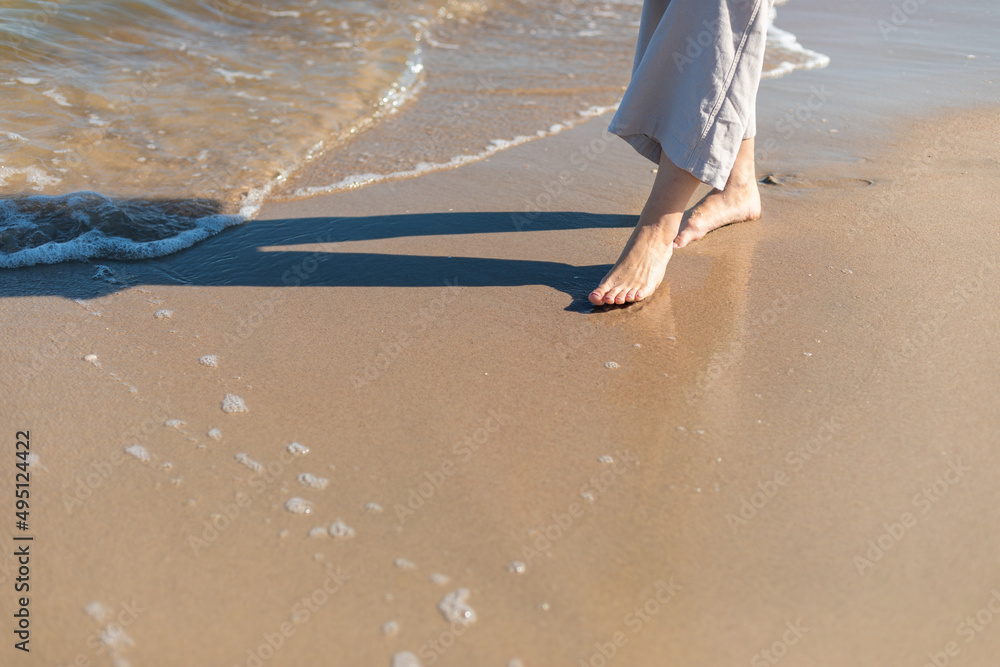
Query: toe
point(630, 296)
point(596, 297)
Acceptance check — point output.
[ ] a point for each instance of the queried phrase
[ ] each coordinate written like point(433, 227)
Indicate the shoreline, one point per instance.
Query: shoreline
point(789, 448)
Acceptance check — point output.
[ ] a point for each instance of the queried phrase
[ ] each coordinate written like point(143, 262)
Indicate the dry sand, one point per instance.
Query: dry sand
point(801, 423)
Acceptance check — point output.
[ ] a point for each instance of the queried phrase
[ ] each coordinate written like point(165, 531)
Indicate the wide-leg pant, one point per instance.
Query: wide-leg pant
point(694, 83)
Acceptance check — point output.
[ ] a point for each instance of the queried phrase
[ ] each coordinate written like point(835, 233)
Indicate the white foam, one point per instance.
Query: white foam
point(175, 423)
point(232, 76)
point(298, 506)
point(214, 434)
point(341, 530)
point(97, 611)
point(94, 243)
point(606, 459)
point(496, 145)
point(243, 458)
point(455, 609)
point(390, 628)
point(37, 178)
point(209, 360)
point(163, 314)
point(56, 97)
point(308, 479)
point(517, 567)
point(139, 452)
point(29, 80)
point(440, 579)
point(783, 42)
point(234, 404)
point(374, 508)
point(404, 564)
point(613, 365)
point(92, 358)
point(319, 531)
point(406, 659)
point(297, 449)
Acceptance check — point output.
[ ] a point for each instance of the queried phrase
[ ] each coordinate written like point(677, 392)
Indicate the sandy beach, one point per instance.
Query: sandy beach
point(787, 455)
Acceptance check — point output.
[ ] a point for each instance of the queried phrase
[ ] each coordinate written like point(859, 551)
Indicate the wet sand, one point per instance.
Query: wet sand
point(801, 424)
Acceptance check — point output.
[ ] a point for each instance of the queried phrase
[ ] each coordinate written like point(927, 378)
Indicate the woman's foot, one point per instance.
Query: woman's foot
point(639, 269)
point(738, 202)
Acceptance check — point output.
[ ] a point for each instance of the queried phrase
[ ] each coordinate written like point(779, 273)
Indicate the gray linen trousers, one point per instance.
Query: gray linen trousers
point(694, 83)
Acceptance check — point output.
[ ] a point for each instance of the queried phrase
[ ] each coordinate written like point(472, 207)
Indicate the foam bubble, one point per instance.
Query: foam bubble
point(297, 449)
point(588, 496)
point(613, 365)
point(57, 97)
point(340, 529)
point(390, 628)
point(515, 663)
point(139, 452)
point(233, 404)
point(298, 506)
point(92, 358)
point(163, 314)
point(440, 579)
point(318, 531)
point(455, 609)
point(308, 479)
point(209, 360)
point(606, 459)
point(97, 611)
point(256, 466)
point(404, 564)
point(175, 423)
point(374, 508)
point(215, 434)
point(517, 567)
point(405, 659)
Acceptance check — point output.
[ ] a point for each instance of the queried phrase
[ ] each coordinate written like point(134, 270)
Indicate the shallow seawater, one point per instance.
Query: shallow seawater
point(135, 128)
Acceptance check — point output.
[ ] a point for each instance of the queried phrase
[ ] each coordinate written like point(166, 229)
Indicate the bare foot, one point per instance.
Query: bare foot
point(639, 269)
point(738, 202)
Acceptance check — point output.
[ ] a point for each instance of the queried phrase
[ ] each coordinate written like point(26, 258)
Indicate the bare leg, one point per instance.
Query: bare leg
point(639, 269)
point(738, 202)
